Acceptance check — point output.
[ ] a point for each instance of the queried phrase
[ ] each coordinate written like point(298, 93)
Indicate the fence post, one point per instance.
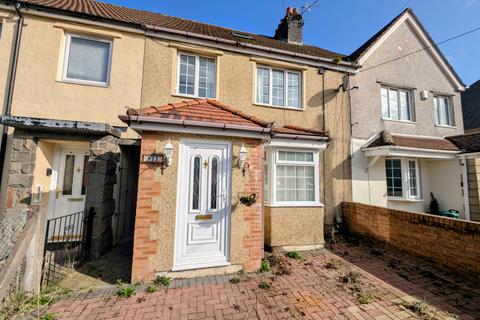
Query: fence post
point(88, 234)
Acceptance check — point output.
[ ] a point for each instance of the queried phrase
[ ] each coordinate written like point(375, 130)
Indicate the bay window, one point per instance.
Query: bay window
point(443, 111)
point(402, 178)
point(277, 87)
point(292, 177)
point(196, 76)
point(396, 104)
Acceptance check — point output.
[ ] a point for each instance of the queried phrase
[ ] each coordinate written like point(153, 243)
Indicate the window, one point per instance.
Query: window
point(196, 76)
point(396, 104)
point(402, 178)
point(294, 177)
point(279, 88)
point(87, 60)
point(443, 111)
point(195, 192)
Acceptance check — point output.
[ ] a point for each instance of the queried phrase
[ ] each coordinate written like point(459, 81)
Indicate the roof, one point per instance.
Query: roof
point(208, 112)
point(471, 107)
point(364, 48)
point(430, 143)
point(146, 19)
point(468, 143)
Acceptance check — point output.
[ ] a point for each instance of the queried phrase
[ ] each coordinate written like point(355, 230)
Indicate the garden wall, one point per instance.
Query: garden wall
point(452, 243)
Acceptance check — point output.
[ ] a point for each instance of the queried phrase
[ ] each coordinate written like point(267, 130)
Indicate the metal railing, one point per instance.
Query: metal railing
point(67, 244)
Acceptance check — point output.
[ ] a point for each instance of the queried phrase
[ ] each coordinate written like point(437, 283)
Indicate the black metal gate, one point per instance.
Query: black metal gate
point(67, 244)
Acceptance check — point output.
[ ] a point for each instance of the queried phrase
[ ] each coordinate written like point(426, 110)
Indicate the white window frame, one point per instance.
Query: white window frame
point(436, 98)
point(197, 76)
point(272, 156)
point(409, 101)
point(406, 179)
point(67, 56)
point(285, 95)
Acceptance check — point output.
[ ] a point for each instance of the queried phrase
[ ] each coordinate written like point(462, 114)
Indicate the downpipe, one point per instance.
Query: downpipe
point(11, 85)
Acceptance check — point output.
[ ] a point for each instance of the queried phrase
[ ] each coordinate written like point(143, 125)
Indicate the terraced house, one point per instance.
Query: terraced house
point(236, 140)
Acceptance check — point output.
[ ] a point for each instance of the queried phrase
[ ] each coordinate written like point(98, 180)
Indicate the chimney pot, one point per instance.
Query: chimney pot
point(289, 11)
point(295, 11)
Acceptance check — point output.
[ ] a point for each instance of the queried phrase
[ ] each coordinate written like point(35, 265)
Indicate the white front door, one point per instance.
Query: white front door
point(71, 187)
point(203, 205)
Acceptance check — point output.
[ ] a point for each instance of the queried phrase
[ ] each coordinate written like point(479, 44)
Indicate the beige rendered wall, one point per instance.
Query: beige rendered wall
point(39, 90)
point(156, 207)
point(236, 88)
point(8, 21)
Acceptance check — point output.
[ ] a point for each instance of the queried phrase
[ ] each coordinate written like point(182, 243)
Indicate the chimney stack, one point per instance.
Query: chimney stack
point(290, 28)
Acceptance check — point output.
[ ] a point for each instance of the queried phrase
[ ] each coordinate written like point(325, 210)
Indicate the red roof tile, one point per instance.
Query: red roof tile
point(386, 139)
point(145, 18)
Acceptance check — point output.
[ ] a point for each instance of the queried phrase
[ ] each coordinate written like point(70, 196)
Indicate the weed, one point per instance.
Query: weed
point(48, 316)
point(362, 297)
point(162, 281)
point(265, 266)
point(332, 264)
point(279, 264)
point(418, 307)
point(151, 289)
point(236, 307)
point(351, 277)
point(126, 292)
point(141, 299)
point(234, 280)
point(294, 255)
point(264, 285)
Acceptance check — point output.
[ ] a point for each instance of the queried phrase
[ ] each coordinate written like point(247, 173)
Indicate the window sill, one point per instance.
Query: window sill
point(445, 126)
point(276, 107)
point(85, 83)
point(190, 97)
point(405, 199)
point(295, 205)
point(401, 121)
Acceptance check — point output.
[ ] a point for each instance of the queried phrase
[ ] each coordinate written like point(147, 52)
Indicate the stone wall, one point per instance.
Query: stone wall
point(452, 243)
point(473, 167)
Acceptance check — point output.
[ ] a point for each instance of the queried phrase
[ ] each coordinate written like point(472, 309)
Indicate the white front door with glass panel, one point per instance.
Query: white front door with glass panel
point(70, 190)
point(203, 205)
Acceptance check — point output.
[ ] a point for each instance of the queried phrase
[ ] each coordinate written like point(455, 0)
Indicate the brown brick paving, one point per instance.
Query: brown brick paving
point(322, 285)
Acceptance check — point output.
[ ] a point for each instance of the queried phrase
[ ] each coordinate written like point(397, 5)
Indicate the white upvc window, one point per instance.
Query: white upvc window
point(396, 104)
point(442, 107)
point(87, 60)
point(196, 76)
point(292, 177)
point(278, 87)
point(403, 180)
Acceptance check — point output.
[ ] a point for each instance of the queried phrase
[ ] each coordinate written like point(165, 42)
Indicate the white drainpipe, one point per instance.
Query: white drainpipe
point(466, 202)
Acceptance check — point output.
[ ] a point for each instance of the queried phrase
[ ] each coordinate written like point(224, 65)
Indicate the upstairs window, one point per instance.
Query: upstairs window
point(87, 60)
point(196, 76)
point(396, 104)
point(443, 111)
point(280, 88)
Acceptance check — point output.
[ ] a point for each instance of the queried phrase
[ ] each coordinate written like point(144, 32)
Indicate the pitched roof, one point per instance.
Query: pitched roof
point(145, 19)
point(387, 139)
point(213, 113)
point(471, 107)
point(469, 142)
point(364, 48)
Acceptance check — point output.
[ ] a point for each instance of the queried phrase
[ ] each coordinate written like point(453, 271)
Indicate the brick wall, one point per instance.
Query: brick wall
point(450, 242)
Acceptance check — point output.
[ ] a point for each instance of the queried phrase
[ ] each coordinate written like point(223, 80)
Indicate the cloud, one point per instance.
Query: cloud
point(469, 3)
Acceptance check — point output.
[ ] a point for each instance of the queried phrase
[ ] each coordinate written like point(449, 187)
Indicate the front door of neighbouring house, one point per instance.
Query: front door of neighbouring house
point(69, 193)
point(203, 205)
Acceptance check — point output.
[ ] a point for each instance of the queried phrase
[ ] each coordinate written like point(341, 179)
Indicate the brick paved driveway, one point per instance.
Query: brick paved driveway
point(351, 280)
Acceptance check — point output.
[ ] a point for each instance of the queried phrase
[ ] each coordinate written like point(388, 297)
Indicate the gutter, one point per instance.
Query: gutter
point(11, 84)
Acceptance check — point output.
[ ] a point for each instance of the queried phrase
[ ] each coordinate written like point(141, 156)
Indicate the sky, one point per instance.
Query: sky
point(340, 26)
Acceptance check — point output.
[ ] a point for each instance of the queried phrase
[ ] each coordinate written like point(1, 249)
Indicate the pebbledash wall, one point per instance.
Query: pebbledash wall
point(154, 240)
point(452, 243)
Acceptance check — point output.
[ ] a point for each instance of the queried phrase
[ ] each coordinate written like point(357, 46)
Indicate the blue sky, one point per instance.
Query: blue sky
point(340, 26)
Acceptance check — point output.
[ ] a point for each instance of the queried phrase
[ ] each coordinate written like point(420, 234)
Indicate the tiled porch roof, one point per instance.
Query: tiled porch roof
point(214, 113)
point(387, 139)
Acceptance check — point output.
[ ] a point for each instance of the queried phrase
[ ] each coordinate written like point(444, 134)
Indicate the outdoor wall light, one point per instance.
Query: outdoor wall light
point(168, 153)
point(241, 159)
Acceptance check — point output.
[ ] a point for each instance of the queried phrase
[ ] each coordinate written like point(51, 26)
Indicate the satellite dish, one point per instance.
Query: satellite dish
point(345, 83)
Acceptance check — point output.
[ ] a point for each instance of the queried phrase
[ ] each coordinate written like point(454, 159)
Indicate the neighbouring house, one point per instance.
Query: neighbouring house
point(265, 119)
point(471, 107)
point(405, 101)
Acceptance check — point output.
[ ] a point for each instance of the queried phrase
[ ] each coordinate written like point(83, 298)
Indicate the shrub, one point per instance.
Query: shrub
point(434, 206)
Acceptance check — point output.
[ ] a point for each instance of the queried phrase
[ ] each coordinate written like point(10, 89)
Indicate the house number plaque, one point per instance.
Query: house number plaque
point(154, 158)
